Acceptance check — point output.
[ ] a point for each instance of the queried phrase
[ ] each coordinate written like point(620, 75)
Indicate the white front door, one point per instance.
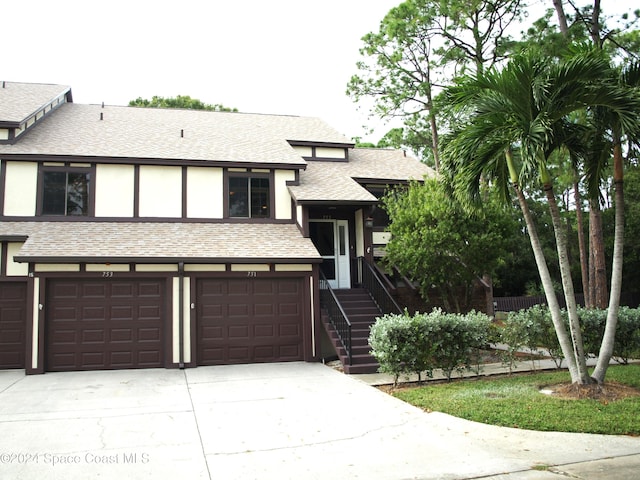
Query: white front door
point(331, 238)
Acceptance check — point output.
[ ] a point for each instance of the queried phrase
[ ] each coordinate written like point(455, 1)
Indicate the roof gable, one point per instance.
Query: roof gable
point(324, 182)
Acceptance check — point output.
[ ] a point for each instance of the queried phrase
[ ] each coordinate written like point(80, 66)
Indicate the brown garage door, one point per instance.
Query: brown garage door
point(249, 320)
point(13, 316)
point(104, 324)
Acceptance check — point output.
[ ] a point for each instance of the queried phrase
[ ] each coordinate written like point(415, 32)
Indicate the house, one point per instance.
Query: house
point(139, 238)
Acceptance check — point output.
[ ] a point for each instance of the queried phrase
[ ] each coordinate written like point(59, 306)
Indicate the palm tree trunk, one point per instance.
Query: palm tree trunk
point(569, 292)
point(582, 247)
point(545, 276)
point(608, 339)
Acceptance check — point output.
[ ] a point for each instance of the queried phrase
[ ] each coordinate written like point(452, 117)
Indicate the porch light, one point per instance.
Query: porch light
point(368, 222)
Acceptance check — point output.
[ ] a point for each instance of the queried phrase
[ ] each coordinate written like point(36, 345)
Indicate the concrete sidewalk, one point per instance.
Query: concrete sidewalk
point(267, 421)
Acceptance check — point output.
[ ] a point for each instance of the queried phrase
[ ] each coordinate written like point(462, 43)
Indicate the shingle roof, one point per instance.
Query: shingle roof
point(325, 181)
point(160, 242)
point(20, 100)
point(132, 132)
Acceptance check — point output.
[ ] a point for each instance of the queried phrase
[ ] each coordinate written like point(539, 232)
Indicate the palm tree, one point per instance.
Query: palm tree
point(524, 109)
point(629, 78)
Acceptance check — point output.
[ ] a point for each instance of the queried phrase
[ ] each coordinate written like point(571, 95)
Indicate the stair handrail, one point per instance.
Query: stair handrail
point(379, 293)
point(337, 315)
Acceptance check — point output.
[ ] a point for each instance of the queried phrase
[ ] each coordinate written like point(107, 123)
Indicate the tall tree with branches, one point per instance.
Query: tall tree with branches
point(420, 43)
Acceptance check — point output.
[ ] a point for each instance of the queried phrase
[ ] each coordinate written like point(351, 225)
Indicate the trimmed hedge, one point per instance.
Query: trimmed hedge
point(422, 343)
point(532, 328)
point(405, 344)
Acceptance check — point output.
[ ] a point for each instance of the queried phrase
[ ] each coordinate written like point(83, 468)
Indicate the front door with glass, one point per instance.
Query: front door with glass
point(331, 238)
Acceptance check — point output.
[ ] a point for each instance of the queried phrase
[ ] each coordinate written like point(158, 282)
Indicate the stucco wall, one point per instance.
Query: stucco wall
point(160, 191)
point(20, 188)
point(114, 190)
point(204, 192)
point(283, 199)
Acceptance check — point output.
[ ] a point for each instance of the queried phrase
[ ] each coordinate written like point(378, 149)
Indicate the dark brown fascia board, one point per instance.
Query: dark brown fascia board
point(326, 159)
point(336, 203)
point(9, 124)
point(310, 143)
point(30, 157)
point(14, 238)
point(78, 219)
point(382, 181)
point(162, 260)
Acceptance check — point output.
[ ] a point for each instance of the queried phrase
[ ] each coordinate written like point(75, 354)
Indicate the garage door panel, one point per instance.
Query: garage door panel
point(290, 330)
point(92, 359)
point(292, 309)
point(65, 337)
point(150, 290)
point(263, 331)
point(93, 313)
point(149, 359)
point(12, 315)
point(238, 332)
point(264, 287)
point(12, 336)
point(263, 310)
point(148, 334)
point(247, 326)
point(122, 359)
point(238, 310)
point(237, 354)
point(109, 328)
point(123, 290)
point(96, 291)
point(93, 336)
point(264, 353)
point(237, 288)
point(149, 312)
point(122, 312)
point(121, 335)
point(65, 290)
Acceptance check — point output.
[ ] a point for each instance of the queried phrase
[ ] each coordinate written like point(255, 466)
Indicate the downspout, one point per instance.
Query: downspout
point(181, 315)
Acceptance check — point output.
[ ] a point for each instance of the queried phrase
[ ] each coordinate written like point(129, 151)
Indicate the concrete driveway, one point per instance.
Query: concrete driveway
point(271, 421)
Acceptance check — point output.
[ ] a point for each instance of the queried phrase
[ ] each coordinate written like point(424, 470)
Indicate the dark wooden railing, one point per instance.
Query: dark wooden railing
point(337, 317)
point(376, 288)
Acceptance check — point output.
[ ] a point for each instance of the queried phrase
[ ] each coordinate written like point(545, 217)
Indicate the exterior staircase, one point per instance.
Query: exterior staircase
point(361, 311)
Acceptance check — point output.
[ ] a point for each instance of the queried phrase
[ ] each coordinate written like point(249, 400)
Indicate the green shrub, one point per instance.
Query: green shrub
point(405, 344)
point(532, 328)
point(399, 344)
point(627, 343)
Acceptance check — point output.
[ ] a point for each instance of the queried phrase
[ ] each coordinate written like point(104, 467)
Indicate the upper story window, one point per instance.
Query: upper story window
point(65, 191)
point(249, 197)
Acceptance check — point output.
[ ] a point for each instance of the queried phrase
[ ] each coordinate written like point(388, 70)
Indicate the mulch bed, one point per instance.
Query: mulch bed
point(609, 392)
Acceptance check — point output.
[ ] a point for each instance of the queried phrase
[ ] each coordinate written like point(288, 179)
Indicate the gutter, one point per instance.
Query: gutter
point(181, 315)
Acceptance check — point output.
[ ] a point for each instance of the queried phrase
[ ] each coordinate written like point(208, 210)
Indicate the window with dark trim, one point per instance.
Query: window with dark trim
point(65, 191)
point(249, 197)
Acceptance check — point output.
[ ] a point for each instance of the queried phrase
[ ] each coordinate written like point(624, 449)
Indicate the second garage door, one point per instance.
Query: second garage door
point(104, 324)
point(252, 320)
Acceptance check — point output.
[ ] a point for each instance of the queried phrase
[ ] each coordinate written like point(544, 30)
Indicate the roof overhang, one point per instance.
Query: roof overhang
point(156, 242)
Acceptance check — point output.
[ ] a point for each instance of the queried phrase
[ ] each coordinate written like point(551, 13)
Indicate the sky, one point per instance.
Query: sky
point(290, 57)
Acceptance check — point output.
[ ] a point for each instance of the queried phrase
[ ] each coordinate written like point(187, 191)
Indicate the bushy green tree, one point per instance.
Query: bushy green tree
point(438, 244)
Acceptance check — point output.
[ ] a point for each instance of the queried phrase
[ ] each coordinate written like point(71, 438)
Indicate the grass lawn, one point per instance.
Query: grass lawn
point(516, 401)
